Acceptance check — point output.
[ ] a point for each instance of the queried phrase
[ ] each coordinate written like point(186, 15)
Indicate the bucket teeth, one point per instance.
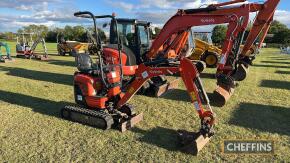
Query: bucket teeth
point(192, 142)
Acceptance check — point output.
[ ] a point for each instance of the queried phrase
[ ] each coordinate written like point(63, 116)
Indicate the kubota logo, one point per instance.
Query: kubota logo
point(155, 71)
point(211, 20)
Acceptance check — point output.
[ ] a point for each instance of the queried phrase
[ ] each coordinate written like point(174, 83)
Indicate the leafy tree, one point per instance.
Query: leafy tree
point(219, 34)
point(100, 32)
point(68, 32)
point(279, 30)
point(51, 36)
point(282, 37)
point(7, 36)
point(277, 27)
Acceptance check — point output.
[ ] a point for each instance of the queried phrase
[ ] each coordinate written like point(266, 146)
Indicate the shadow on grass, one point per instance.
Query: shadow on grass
point(276, 62)
point(281, 59)
point(62, 63)
point(39, 75)
point(39, 105)
point(266, 118)
point(177, 95)
point(182, 95)
point(275, 84)
point(281, 56)
point(271, 66)
point(160, 137)
point(208, 75)
point(283, 72)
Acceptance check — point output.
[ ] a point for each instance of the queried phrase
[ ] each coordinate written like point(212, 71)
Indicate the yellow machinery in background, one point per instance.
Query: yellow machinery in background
point(70, 47)
point(204, 49)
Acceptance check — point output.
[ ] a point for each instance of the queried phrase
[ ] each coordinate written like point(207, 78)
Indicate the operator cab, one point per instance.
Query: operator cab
point(134, 36)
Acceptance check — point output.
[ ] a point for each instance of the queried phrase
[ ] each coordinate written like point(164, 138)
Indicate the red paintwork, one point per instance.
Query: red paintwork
point(86, 84)
point(188, 72)
point(230, 15)
point(112, 57)
point(96, 102)
point(261, 24)
point(89, 85)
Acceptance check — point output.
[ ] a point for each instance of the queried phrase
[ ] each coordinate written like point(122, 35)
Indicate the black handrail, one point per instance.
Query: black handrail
point(87, 14)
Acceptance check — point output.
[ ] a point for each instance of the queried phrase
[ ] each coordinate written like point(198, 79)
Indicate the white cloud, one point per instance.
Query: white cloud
point(25, 4)
point(165, 8)
point(158, 17)
point(198, 3)
point(42, 12)
point(283, 16)
point(127, 7)
point(162, 4)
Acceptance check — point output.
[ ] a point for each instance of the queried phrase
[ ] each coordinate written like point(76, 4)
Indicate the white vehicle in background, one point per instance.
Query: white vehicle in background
point(285, 50)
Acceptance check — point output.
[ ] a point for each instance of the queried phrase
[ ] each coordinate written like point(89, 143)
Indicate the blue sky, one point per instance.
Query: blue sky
point(56, 13)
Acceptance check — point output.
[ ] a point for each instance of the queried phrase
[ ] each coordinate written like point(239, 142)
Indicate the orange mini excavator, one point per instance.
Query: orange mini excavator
point(102, 96)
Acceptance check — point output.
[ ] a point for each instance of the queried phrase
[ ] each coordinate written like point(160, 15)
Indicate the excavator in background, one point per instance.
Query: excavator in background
point(239, 63)
point(6, 58)
point(231, 67)
point(25, 47)
point(204, 49)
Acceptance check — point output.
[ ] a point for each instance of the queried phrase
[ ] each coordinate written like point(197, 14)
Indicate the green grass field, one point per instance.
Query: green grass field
point(33, 92)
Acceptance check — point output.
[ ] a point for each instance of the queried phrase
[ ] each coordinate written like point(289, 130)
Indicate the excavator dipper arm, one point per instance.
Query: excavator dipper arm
point(262, 21)
point(182, 22)
point(191, 142)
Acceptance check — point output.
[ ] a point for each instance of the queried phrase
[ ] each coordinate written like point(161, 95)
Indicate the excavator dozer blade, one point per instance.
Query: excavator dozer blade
point(21, 56)
point(126, 125)
point(221, 96)
point(160, 90)
point(5, 60)
point(42, 57)
point(192, 142)
point(241, 73)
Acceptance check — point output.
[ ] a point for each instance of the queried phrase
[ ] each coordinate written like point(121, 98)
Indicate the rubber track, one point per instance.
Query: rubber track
point(96, 114)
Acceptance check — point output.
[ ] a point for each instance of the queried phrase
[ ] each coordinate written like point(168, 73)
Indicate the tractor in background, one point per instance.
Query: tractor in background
point(71, 47)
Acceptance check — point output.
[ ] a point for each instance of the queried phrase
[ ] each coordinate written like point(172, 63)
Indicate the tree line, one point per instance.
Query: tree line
point(279, 34)
point(73, 33)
